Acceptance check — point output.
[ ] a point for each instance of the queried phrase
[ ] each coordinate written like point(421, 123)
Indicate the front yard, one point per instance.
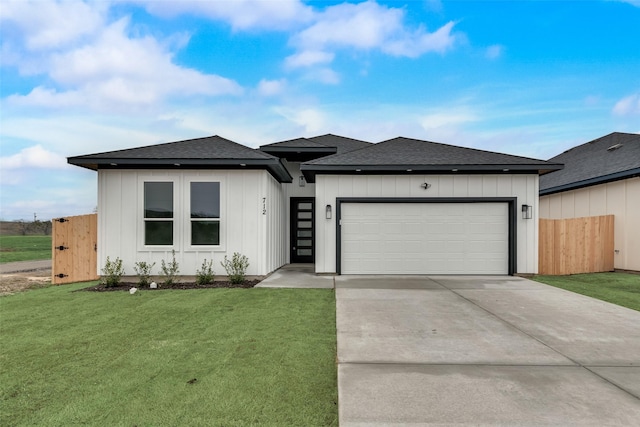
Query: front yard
point(618, 288)
point(220, 357)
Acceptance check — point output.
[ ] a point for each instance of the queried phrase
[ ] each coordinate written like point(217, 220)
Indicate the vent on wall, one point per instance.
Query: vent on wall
point(614, 147)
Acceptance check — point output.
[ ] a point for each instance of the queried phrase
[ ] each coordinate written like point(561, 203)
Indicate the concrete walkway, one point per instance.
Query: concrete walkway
point(443, 350)
point(296, 276)
point(24, 266)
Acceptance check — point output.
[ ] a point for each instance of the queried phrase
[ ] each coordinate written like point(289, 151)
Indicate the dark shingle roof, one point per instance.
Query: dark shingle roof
point(316, 146)
point(342, 143)
point(609, 158)
point(416, 156)
point(209, 152)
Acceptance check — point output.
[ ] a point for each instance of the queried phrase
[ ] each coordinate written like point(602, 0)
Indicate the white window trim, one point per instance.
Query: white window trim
point(177, 217)
point(186, 223)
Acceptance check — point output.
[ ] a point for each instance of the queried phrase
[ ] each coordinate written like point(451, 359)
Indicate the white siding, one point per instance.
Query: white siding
point(619, 198)
point(245, 226)
point(523, 187)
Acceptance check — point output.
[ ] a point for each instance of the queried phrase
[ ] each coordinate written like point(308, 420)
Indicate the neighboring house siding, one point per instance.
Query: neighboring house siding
point(524, 187)
point(243, 227)
point(619, 198)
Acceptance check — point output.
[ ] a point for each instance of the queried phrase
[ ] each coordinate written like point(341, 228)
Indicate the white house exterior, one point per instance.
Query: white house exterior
point(397, 207)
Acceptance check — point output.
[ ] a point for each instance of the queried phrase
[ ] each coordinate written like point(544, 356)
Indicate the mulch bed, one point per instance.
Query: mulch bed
point(186, 285)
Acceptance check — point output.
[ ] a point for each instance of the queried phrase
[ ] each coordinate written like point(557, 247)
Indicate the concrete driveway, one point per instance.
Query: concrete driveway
point(443, 350)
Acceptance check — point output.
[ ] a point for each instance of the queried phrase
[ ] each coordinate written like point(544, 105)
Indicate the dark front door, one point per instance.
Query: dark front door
point(302, 229)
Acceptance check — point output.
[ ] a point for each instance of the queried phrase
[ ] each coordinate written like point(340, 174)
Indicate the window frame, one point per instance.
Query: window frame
point(175, 219)
point(190, 220)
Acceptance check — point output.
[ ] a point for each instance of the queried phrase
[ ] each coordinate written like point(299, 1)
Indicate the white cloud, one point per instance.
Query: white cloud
point(33, 157)
point(495, 51)
point(271, 87)
point(116, 71)
point(323, 75)
point(365, 26)
point(51, 24)
point(628, 106)
point(241, 14)
point(308, 58)
point(310, 119)
point(447, 119)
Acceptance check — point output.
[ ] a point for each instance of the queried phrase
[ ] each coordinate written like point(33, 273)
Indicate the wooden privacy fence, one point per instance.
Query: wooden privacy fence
point(576, 245)
point(74, 249)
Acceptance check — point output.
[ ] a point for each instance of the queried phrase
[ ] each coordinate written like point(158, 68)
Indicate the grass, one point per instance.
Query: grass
point(618, 288)
point(219, 357)
point(24, 248)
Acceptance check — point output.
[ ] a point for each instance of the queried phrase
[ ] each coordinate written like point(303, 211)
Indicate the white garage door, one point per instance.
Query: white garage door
point(424, 238)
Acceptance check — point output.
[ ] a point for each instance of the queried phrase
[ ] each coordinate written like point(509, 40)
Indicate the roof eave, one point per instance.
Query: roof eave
point(310, 170)
point(274, 165)
point(279, 150)
point(631, 173)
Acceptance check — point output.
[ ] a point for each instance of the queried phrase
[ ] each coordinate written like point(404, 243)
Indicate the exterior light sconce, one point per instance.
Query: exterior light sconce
point(327, 212)
point(301, 181)
point(425, 186)
point(527, 211)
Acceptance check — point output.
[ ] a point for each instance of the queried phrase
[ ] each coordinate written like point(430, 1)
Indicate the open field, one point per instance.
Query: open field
point(24, 248)
point(619, 288)
point(231, 357)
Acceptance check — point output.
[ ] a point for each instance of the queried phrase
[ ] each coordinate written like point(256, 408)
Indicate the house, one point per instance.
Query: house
point(601, 177)
point(402, 206)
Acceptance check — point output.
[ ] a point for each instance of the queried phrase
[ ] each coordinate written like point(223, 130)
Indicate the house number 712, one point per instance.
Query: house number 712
point(264, 206)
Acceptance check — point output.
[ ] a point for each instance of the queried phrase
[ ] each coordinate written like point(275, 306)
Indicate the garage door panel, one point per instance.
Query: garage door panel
point(424, 238)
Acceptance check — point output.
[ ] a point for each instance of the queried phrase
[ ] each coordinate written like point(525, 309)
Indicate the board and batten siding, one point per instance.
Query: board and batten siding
point(523, 187)
point(251, 219)
point(620, 199)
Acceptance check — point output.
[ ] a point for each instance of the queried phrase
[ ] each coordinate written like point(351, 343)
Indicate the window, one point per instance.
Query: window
point(205, 213)
point(158, 213)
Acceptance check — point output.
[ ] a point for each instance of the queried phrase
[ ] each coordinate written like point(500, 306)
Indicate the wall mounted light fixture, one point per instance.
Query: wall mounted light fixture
point(327, 212)
point(527, 211)
point(301, 181)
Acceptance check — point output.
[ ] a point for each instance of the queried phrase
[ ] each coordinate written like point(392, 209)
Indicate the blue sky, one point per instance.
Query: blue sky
point(531, 78)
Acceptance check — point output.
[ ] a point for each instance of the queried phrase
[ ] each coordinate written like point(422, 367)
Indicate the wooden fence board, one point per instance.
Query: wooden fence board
point(74, 245)
point(576, 245)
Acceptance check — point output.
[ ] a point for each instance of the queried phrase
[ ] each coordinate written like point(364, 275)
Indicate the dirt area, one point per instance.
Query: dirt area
point(181, 285)
point(18, 282)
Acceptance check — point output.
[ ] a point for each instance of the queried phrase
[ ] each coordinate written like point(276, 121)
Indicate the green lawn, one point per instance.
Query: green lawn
point(619, 288)
point(24, 248)
point(219, 357)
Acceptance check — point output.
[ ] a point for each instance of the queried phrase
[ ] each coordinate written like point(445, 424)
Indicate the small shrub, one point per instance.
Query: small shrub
point(236, 268)
point(205, 275)
point(112, 273)
point(143, 271)
point(170, 270)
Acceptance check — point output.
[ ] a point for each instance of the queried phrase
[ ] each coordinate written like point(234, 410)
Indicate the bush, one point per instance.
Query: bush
point(112, 273)
point(205, 275)
point(170, 270)
point(236, 268)
point(143, 271)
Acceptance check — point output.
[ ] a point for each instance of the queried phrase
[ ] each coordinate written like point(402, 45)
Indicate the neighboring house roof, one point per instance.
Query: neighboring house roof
point(310, 148)
point(210, 152)
point(406, 155)
point(609, 158)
